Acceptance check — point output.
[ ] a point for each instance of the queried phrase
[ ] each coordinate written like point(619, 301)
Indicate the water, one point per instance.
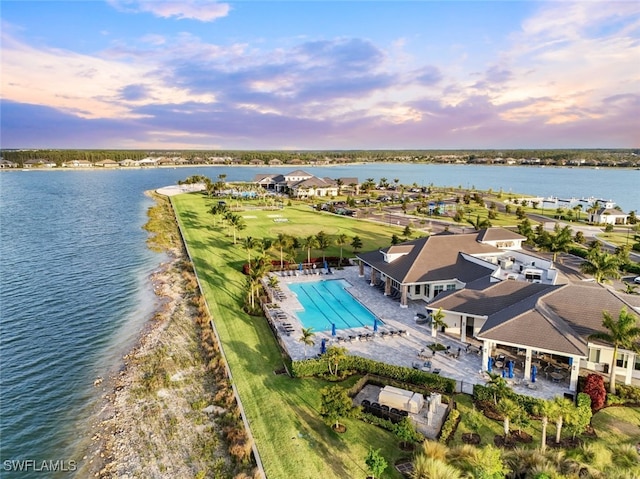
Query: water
point(74, 288)
point(326, 303)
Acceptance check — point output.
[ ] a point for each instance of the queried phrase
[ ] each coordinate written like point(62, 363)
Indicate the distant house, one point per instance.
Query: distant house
point(608, 216)
point(7, 164)
point(78, 164)
point(107, 164)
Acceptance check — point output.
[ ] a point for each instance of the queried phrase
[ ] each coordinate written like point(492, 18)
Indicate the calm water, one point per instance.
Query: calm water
point(74, 286)
point(326, 303)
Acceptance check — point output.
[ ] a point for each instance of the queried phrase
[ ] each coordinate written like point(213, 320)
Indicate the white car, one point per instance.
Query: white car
point(636, 280)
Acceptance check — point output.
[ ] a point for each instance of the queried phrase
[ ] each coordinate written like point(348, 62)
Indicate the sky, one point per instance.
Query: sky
point(319, 75)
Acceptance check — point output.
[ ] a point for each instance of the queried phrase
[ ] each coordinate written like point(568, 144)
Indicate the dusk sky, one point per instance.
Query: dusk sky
point(152, 74)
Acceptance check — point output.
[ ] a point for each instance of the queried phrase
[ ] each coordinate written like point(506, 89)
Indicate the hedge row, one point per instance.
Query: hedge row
point(449, 427)
point(388, 425)
point(483, 393)
point(319, 367)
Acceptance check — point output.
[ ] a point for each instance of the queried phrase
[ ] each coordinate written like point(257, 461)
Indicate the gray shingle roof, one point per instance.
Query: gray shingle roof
point(499, 234)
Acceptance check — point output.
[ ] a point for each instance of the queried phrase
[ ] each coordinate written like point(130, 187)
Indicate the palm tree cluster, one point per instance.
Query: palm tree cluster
point(437, 461)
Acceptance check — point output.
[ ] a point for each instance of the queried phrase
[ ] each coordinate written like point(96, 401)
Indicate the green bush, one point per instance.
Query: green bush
point(483, 393)
point(629, 394)
point(450, 425)
point(318, 367)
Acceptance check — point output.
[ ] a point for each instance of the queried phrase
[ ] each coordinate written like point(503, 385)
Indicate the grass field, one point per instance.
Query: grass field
point(292, 440)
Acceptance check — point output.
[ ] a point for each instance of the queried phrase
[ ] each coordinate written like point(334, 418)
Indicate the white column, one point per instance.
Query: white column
point(486, 350)
point(527, 364)
point(575, 369)
point(463, 328)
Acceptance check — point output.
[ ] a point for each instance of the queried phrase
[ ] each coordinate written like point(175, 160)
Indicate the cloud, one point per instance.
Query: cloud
point(202, 10)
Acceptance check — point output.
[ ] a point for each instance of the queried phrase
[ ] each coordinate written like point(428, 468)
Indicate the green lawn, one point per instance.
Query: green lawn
point(283, 412)
point(618, 425)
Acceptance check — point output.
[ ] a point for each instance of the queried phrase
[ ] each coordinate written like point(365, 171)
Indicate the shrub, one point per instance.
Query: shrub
point(594, 388)
point(450, 425)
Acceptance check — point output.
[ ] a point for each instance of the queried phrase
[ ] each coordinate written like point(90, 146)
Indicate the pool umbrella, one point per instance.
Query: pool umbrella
point(504, 373)
point(300, 267)
point(333, 329)
point(375, 325)
point(490, 364)
point(534, 372)
point(511, 369)
point(323, 346)
point(326, 266)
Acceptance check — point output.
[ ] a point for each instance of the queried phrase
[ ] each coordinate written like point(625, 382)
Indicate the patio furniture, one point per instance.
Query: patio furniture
point(556, 377)
point(499, 364)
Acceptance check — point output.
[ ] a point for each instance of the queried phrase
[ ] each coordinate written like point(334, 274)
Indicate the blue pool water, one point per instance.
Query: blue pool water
point(327, 302)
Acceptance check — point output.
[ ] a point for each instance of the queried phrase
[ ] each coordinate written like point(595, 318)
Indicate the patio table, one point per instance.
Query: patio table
point(557, 377)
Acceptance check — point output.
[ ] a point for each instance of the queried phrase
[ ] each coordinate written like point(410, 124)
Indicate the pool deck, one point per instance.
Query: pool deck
point(402, 350)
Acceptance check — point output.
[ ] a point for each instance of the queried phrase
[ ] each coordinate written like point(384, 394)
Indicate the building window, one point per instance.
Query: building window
point(594, 355)
point(451, 287)
point(621, 360)
point(437, 289)
point(417, 289)
point(636, 366)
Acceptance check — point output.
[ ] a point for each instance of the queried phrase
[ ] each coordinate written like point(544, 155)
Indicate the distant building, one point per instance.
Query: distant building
point(300, 184)
point(609, 216)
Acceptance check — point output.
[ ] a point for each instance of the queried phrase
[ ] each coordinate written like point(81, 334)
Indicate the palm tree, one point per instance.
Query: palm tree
point(307, 339)
point(256, 271)
point(543, 409)
point(437, 321)
point(498, 385)
point(560, 408)
point(622, 334)
point(310, 242)
point(333, 356)
point(508, 409)
point(323, 241)
point(601, 265)
point(341, 240)
point(283, 242)
point(356, 244)
point(249, 243)
point(559, 241)
point(479, 224)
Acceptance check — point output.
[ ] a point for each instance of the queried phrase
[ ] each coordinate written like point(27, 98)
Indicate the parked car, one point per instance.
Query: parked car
point(636, 280)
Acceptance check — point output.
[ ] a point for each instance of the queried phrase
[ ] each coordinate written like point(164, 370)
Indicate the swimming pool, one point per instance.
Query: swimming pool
point(327, 302)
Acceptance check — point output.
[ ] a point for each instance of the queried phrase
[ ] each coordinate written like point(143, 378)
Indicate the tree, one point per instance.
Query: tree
point(558, 242)
point(622, 333)
point(507, 409)
point(341, 240)
point(375, 462)
point(310, 242)
point(283, 242)
point(249, 243)
point(407, 231)
point(579, 237)
point(543, 408)
point(334, 356)
point(356, 244)
point(498, 386)
point(437, 321)
point(335, 404)
point(237, 224)
point(395, 239)
point(594, 388)
point(323, 241)
point(601, 265)
point(525, 229)
point(560, 409)
point(307, 339)
point(479, 224)
point(405, 430)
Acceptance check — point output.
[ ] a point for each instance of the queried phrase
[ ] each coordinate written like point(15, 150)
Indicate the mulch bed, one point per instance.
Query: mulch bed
point(407, 446)
point(512, 439)
point(340, 429)
point(471, 438)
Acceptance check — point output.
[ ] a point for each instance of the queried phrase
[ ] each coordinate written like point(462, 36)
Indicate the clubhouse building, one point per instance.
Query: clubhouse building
point(504, 298)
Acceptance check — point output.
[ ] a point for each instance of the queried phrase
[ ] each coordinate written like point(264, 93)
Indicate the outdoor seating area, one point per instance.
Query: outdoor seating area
point(402, 341)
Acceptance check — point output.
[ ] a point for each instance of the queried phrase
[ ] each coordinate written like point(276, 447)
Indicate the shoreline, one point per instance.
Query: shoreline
point(102, 458)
